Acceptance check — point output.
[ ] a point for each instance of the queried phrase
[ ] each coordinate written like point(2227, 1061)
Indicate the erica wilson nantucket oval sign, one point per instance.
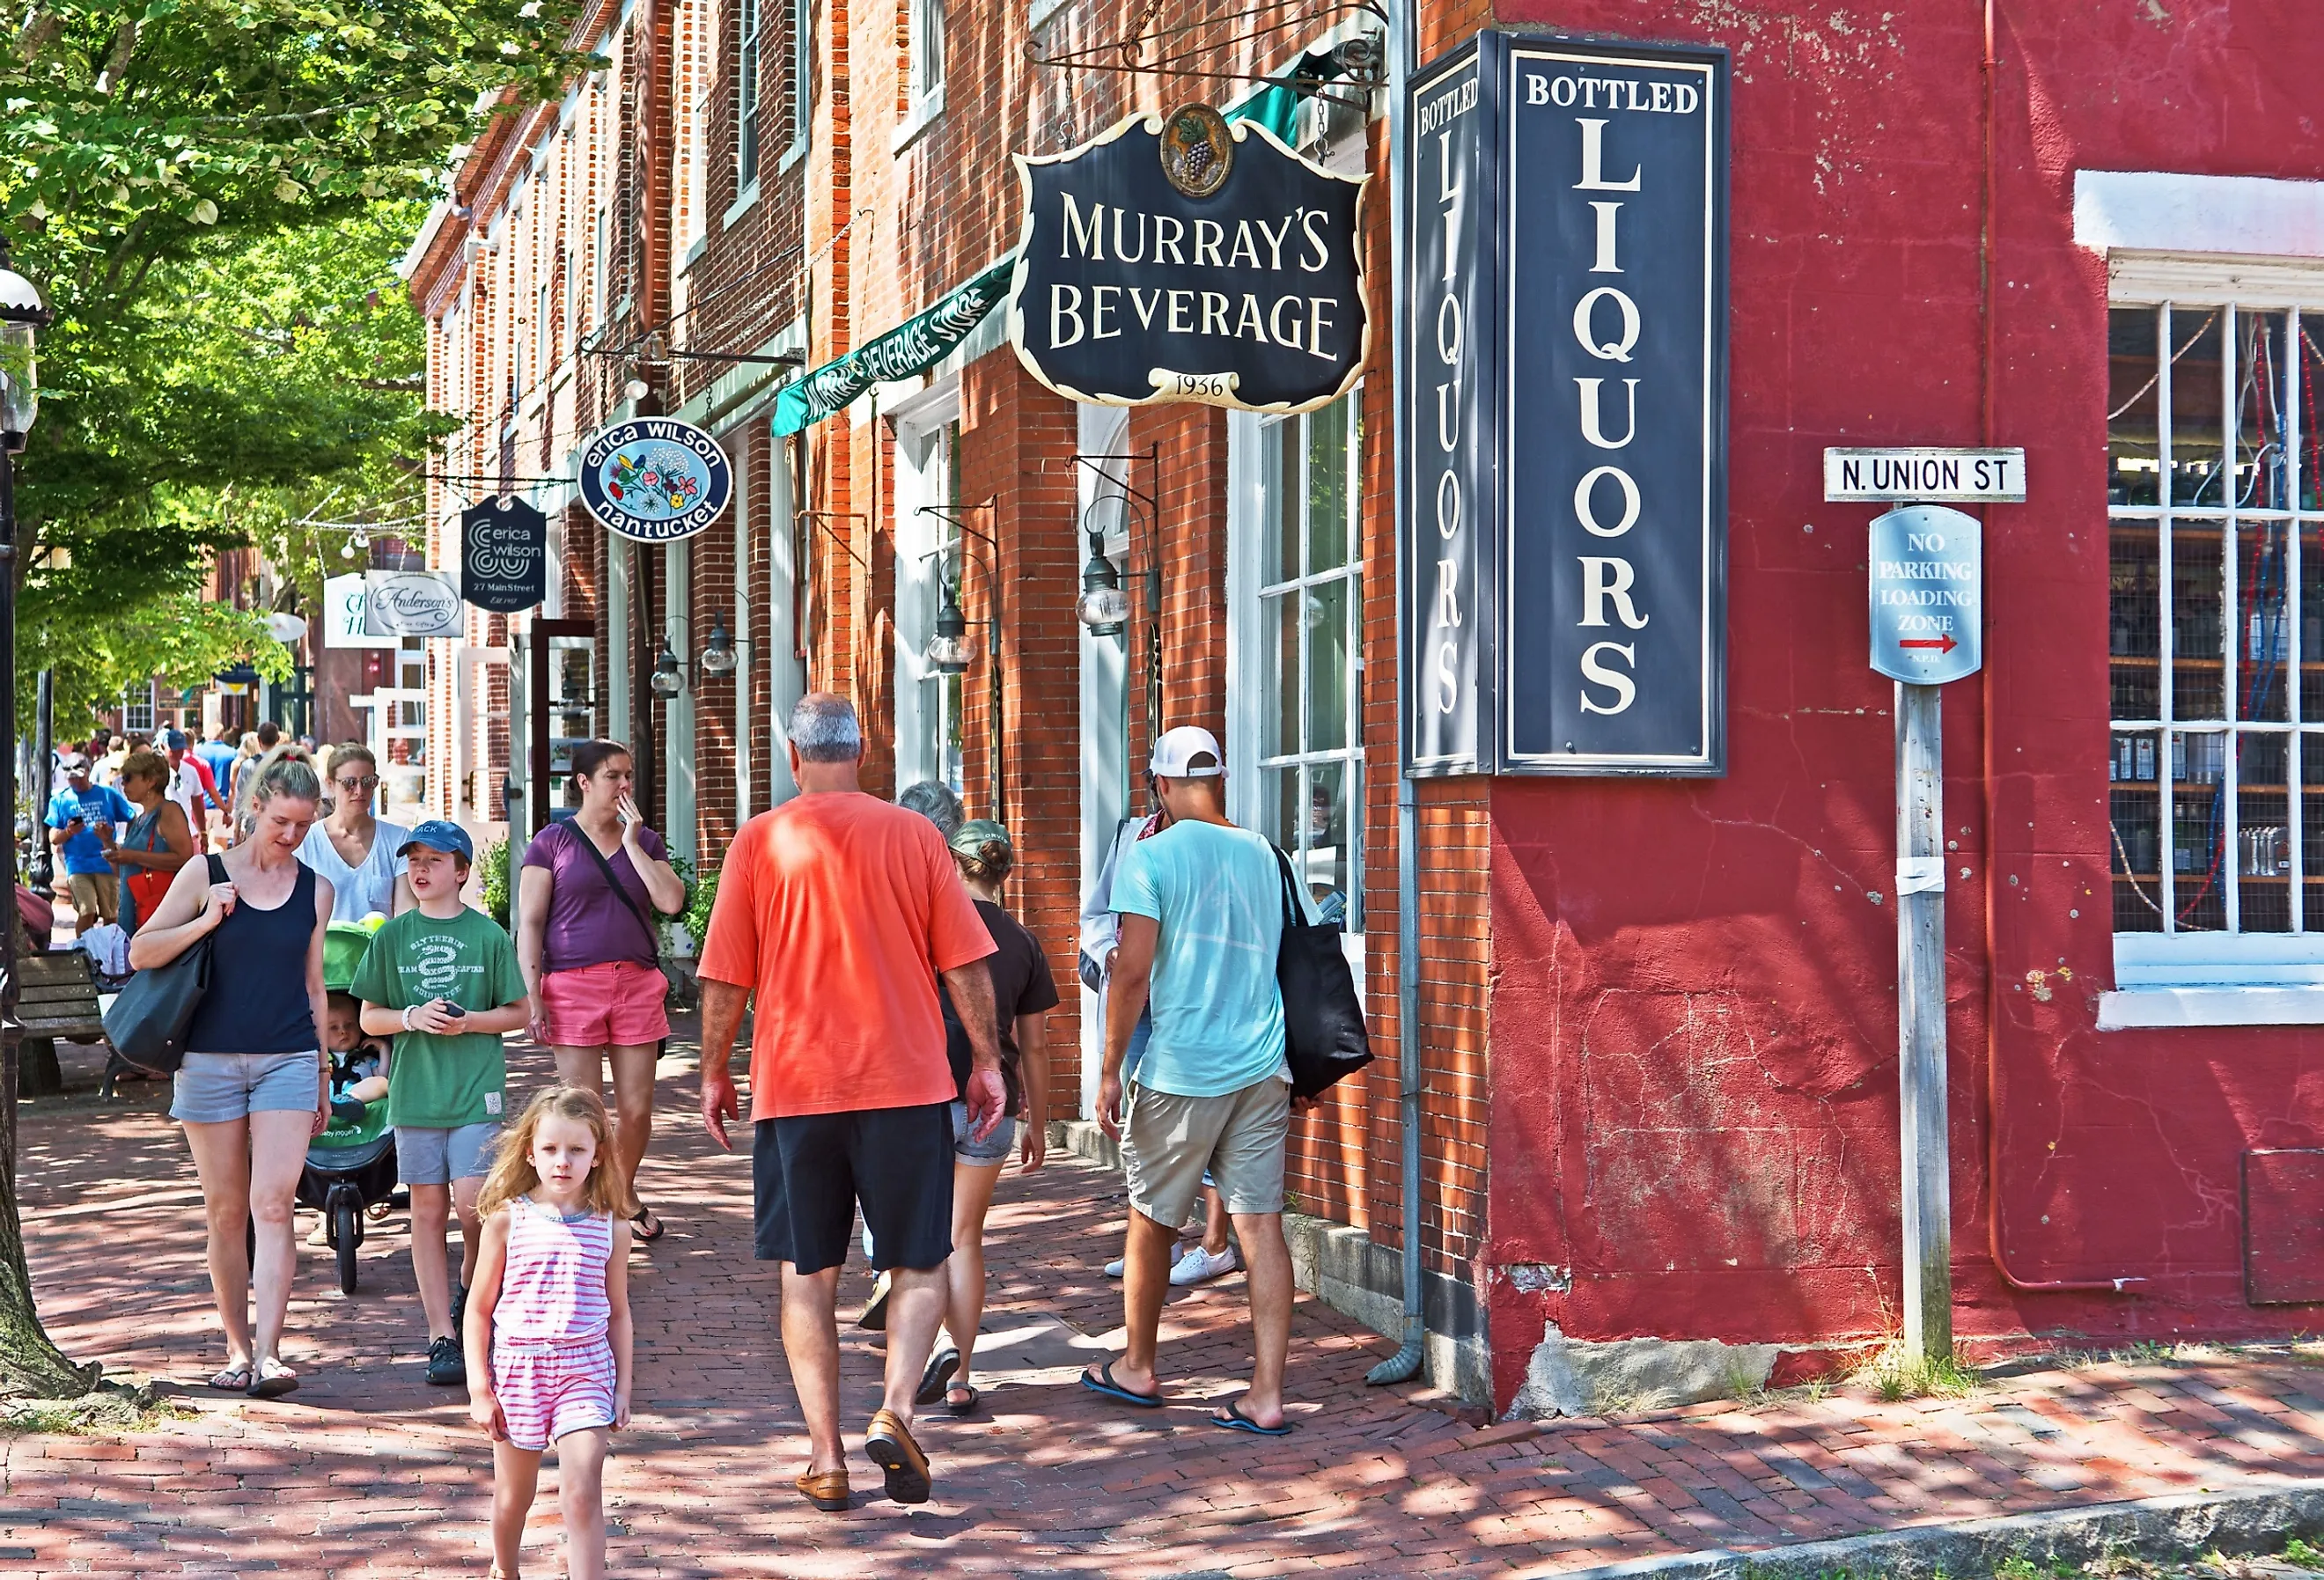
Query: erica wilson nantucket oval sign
point(1182, 257)
point(655, 479)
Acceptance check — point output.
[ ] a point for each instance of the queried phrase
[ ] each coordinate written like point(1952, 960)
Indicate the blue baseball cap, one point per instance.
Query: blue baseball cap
point(436, 834)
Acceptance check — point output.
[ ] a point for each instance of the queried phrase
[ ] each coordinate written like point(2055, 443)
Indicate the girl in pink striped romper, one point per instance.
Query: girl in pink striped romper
point(548, 1321)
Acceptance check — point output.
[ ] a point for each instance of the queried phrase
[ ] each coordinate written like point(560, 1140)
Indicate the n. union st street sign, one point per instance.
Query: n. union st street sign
point(1147, 274)
point(1566, 483)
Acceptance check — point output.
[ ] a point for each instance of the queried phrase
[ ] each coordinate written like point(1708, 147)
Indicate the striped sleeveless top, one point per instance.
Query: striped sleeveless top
point(553, 1286)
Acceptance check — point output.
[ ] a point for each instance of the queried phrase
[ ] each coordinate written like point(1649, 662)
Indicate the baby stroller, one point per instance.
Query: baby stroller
point(349, 1166)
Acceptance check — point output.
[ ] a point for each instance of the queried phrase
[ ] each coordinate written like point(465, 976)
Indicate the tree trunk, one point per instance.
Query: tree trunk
point(30, 1364)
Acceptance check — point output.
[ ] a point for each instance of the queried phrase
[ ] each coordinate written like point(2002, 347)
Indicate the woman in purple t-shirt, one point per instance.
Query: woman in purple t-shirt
point(592, 886)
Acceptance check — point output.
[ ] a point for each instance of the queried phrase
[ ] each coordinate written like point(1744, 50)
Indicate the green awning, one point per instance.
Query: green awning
point(900, 353)
point(922, 342)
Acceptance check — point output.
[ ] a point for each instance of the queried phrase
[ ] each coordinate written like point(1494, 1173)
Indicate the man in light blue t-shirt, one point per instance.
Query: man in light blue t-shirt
point(1201, 907)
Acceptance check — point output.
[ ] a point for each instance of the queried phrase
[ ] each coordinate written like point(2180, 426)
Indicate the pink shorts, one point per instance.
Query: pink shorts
point(547, 1389)
point(616, 1004)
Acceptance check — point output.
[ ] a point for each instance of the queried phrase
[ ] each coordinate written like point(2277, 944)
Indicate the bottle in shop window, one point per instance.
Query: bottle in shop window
point(2145, 745)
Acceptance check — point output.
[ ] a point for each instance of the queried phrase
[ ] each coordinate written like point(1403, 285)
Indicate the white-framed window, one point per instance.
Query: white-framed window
point(746, 93)
point(941, 694)
point(137, 708)
point(1307, 625)
point(800, 94)
point(924, 45)
point(931, 562)
point(545, 349)
point(601, 255)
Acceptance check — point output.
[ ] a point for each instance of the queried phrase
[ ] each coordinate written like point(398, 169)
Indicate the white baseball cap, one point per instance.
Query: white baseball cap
point(1179, 748)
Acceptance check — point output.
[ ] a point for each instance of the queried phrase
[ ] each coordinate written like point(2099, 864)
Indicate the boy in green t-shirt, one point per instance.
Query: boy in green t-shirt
point(443, 981)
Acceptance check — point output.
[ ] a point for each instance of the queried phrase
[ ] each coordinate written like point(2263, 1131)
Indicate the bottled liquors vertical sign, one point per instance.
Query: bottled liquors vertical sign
point(1447, 429)
point(1614, 305)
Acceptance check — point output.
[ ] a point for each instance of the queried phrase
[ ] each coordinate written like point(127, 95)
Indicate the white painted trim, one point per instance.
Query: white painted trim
point(1106, 797)
point(1041, 12)
point(924, 114)
point(740, 206)
point(918, 409)
point(2170, 211)
point(2163, 1007)
point(1246, 692)
point(679, 826)
point(2218, 960)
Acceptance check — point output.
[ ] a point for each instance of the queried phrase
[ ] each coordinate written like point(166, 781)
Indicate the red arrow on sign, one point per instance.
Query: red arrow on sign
point(1944, 643)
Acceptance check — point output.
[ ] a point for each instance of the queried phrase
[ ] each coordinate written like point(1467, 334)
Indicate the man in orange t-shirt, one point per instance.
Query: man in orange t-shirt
point(840, 911)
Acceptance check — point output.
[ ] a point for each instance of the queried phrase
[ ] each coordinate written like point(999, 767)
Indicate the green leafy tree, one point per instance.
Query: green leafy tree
point(210, 192)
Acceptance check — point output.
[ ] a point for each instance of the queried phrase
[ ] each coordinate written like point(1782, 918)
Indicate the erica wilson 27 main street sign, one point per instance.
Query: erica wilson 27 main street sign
point(1565, 458)
point(1182, 257)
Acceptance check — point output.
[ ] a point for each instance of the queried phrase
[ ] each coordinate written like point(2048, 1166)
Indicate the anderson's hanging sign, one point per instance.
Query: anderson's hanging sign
point(1188, 258)
point(655, 479)
point(1565, 476)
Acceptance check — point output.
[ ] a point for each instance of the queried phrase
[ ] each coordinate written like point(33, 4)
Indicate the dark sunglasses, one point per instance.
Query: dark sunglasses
point(357, 786)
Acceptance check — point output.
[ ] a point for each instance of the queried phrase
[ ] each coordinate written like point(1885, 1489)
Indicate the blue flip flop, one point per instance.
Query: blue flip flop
point(1234, 1420)
point(1104, 1383)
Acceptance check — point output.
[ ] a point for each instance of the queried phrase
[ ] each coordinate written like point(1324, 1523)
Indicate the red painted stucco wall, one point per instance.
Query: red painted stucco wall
point(1693, 1043)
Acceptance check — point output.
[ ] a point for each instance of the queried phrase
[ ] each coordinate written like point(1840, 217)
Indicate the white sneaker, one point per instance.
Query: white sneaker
point(1118, 1265)
point(1198, 1265)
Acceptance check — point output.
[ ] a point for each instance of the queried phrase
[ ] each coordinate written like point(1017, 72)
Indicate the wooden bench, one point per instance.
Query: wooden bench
point(56, 996)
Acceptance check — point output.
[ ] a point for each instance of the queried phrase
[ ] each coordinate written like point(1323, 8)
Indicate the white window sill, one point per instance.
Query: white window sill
point(923, 115)
point(2161, 1007)
point(1037, 15)
point(791, 157)
point(741, 205)
point(701, 244)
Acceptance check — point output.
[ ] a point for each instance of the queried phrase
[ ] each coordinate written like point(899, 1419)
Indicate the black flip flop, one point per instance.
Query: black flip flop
point(940, 1368)
point(963, 1407)
point(644, 1236)
point(1234, 1420)
point(1104, 1383)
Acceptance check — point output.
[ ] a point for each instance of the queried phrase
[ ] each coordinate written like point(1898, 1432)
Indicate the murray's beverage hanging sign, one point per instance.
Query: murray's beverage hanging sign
point(1566, 493)
point(1184, 257)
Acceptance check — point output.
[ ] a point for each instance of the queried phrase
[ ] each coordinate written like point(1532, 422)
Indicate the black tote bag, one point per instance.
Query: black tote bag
point(1323, 1032)
point(147, 1023)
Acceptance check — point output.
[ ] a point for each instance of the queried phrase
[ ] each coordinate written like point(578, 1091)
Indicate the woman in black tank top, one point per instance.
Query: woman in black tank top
point(254, 1086)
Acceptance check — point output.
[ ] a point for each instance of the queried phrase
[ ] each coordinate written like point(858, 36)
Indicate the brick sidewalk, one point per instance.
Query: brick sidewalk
point(368, 1471)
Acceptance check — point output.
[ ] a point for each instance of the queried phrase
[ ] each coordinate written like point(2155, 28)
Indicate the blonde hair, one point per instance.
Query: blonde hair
point(514, 1175)
point(286, 771)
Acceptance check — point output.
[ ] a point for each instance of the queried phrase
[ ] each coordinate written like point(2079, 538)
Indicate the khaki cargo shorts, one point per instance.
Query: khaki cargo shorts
point(1168, 1141)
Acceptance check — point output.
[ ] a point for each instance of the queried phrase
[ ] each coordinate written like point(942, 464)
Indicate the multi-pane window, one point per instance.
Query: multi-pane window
point(746, 95)
point(802, 101)
point(941, 693)
point(2216, 631)
point(137, 708)
point(1310, 624)
point(926, 42)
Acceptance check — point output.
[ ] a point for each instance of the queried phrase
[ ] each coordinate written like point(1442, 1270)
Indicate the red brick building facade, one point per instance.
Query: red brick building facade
point(1665, 1010)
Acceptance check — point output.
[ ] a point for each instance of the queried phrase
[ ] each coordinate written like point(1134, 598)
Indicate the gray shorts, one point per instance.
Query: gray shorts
point(990, 1153)
point(426, 1156)
point(217, 1088)
point(1168, 1141)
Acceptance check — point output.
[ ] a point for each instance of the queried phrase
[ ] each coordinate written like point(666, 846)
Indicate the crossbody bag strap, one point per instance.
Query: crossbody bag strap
point(612, 881)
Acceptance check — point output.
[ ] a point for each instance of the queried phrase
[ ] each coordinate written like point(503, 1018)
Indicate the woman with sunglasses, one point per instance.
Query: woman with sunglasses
point(355, 850)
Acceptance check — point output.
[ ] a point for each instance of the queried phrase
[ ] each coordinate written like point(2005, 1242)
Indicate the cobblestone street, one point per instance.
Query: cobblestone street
point(366, 1471)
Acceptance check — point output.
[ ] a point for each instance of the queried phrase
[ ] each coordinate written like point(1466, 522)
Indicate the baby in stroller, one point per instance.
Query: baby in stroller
point(358, 1079)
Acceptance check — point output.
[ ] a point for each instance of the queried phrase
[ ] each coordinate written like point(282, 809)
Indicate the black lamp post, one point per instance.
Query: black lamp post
point(22, 315)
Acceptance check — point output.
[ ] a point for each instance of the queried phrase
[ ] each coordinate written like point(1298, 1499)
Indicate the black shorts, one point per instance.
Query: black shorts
point(809, 1171)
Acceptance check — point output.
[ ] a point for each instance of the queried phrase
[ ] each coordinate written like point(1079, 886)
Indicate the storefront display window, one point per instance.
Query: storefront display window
point(1310, 614)
point(930, 559)
point(2216, 628)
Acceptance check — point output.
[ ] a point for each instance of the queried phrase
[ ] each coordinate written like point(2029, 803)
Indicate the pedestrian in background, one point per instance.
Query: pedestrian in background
point(254, 1085)
point(189, 784)
point(83, 819)
point(936, 801)
point(355, 850)
point(591, 885)
point(1201, 923)
point(154, 844)
point(836, 913)
point(1023, 993)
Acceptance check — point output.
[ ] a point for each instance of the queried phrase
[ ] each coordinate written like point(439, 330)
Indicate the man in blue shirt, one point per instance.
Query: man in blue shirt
point(1201, 906)
point(83, 820)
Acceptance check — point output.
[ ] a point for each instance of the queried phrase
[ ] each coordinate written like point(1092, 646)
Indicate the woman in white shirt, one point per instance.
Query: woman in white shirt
point(355, 850)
